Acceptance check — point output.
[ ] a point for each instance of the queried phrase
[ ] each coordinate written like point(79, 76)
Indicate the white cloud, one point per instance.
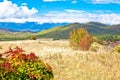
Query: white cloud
point(71, 16)
point(52, 0)
point(103, 1)
point(10, 10)
point(74, 1)
point(24, 4)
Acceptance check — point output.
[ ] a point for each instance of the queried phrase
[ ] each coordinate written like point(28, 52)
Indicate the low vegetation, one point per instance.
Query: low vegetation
point(94, 47)
point(117, 48)
point(109, 38)
point(32, 37)
point(20, 66)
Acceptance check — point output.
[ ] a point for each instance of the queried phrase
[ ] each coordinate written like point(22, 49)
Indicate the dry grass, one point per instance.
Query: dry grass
point(40, 47)
point(70, 64)
point(85, 66)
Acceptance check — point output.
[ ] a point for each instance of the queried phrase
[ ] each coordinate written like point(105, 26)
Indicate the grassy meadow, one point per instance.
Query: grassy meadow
point(69, 64)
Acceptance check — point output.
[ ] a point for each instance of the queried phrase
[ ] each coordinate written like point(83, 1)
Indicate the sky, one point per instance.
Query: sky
point(60, 11)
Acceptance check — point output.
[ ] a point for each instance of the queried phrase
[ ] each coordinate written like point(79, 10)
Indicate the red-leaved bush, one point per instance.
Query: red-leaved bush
point(20, 66)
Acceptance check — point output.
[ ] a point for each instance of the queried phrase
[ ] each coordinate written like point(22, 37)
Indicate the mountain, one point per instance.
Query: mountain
point(95, 24)
point(114, 26)
point(28, 26)
point(93, 28)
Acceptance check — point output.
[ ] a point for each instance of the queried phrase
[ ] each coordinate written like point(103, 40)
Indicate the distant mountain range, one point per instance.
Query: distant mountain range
point(28, 26)
point(57, 30)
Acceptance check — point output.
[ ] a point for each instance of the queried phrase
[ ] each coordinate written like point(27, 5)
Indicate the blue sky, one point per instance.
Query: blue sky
point(57, 11)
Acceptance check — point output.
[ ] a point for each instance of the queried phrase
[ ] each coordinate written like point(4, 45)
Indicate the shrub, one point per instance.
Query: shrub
point(55, 39)
point(32, 37)
point(117, 49)
point(94, 46)
point(80, 39)
point(20, 66)
point(85, 42)
point(97, 40)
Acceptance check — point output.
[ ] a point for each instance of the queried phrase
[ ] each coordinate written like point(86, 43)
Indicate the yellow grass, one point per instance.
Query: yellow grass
point(49, 30)
point(71, 64)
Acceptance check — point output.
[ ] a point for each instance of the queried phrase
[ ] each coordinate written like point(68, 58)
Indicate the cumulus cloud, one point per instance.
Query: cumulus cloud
point(10, 10)
point(103, 1)
point(52, 0)
point(71, 16)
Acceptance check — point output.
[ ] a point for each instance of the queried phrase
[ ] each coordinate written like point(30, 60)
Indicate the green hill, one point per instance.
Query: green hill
point(95, 24)
point(93, 28)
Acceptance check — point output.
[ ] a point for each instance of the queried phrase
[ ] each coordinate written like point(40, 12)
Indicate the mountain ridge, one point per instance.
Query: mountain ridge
point(92, 27)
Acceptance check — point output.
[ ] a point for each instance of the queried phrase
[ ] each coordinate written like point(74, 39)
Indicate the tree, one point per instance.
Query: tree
point(80, 39)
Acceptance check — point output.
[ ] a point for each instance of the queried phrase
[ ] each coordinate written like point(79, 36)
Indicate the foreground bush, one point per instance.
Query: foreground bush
point(20, 66)
point(80, 39)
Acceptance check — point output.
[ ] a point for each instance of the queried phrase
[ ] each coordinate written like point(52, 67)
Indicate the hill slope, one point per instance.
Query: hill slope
point(94, 28)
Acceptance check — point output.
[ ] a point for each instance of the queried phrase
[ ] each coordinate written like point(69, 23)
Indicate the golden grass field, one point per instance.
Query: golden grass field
point(71, 64)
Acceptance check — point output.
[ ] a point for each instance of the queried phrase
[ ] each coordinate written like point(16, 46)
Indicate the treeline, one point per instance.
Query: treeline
point(108, 37)
point(12, 38)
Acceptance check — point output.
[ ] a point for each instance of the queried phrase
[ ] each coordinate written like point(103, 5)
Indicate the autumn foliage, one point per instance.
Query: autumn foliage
point(85, 42)
point(80, 39)
point(16, 65)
